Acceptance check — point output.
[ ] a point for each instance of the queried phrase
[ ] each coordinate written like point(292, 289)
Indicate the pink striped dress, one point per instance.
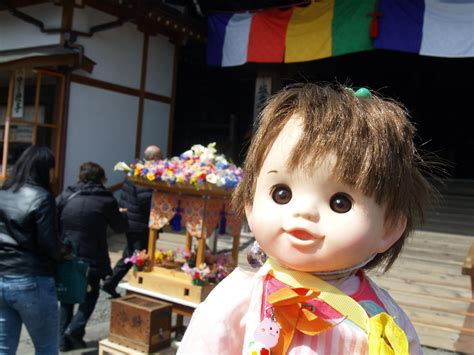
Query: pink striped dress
point(225, 322)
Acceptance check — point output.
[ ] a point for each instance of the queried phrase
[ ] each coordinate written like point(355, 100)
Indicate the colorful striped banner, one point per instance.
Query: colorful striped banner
point(329, 28)
point(437, 28)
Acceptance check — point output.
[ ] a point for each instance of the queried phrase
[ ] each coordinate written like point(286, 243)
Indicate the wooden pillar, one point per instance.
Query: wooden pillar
point(152, 237)
point(201, 247)
point(188, 242)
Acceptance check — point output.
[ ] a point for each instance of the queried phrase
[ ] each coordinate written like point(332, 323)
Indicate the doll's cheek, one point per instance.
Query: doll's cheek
point(392, 233)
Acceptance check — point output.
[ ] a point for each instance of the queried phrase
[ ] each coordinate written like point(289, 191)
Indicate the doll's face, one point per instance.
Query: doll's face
point(307, 220)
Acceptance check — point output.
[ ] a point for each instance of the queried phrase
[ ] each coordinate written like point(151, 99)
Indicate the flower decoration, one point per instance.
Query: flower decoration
point(139, 259)
point(196, 166)
point(214, 273)
point(173, 258)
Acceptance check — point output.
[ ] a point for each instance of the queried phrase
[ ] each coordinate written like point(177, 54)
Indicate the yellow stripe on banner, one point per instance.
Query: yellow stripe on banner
point(309, 34)
point(331, 295)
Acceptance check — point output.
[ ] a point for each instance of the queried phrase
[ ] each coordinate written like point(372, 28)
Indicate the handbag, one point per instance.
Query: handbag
point(71, 280)
point(71, 274)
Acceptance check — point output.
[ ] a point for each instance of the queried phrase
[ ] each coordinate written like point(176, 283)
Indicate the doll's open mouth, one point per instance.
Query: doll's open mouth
point(300, 235)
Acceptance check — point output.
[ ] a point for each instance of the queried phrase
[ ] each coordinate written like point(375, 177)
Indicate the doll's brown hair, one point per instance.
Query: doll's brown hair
point(371, 137)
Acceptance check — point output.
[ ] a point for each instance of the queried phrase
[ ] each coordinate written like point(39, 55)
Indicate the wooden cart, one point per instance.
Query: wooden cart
point(201, 210)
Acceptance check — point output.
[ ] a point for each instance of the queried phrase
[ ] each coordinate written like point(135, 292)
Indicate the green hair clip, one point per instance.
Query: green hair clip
point(363, 93)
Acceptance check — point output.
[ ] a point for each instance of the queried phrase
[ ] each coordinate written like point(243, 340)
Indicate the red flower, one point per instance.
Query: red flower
point(140, 262)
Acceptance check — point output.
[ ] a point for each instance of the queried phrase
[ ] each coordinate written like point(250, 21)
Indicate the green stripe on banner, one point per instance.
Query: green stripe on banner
point(351, 25)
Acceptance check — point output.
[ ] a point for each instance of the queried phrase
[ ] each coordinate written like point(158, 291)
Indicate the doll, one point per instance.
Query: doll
point(332, 186)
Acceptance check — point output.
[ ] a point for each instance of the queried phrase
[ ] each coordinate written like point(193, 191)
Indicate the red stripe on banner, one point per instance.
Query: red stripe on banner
point(267, 36)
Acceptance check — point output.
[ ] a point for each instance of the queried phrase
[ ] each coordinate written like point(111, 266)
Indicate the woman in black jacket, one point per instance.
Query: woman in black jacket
point(86, 209)
point(29, 247)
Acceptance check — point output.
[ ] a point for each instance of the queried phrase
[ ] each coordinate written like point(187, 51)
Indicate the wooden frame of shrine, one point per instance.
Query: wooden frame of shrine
point(201, 209)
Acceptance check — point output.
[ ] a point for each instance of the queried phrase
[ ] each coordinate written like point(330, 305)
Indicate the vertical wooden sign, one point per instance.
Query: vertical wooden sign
point(19, 94)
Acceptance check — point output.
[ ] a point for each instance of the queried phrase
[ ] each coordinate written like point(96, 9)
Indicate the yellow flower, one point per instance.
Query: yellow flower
point(158, 256)
point(150, 176)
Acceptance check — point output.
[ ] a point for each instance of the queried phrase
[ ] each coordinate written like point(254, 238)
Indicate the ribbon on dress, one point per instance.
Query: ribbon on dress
point(385, 337)
point(291, 314)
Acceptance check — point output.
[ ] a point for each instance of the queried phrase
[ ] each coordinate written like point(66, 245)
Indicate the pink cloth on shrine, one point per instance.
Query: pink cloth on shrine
point(226, 321)
point(163, 208)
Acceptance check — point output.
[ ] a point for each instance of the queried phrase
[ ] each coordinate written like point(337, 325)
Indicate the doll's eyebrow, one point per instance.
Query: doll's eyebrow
point(272, 171)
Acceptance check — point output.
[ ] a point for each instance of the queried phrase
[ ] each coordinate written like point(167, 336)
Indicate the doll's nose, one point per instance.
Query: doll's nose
point(307, 211)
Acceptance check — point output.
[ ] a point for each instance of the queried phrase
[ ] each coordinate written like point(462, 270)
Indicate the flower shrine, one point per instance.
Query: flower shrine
point(192, 190)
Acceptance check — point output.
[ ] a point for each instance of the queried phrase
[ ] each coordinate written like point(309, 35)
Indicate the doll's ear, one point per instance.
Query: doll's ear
point(393, 230)
point(248, 214)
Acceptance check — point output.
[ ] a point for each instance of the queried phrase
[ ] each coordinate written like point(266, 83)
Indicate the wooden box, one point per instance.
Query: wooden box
point(106, 347)
point(140, 323)
point(174, 283)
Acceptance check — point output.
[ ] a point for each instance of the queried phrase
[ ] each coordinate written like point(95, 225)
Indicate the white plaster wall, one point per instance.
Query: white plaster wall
point(117, 51)
point(16, 34)
point(160, 66)
point(101, 128)
point(155, 125)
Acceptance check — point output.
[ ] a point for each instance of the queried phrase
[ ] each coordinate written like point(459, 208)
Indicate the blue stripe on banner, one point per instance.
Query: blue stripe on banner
point(401, 25)
point(448, 29)
point(236, 40)
point(217, 24)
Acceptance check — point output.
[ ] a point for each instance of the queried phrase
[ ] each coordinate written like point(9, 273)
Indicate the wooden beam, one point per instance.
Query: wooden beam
point(173, 100)
point(54, 60)
point(23, 3)
point(141, 102)
point(6, 129)
point(67, 19)
point(117, 88)
point(154, 22)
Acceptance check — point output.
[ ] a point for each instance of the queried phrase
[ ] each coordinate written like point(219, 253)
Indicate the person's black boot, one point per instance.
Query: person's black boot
point(65, 344)
point(76, 341)
point(111, 291)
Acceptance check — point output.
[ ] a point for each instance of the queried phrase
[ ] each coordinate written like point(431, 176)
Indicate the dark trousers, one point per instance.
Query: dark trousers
point(75, 324)
point(135, 241)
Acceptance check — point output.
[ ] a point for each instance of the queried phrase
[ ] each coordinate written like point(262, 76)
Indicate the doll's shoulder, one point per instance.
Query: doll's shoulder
point(228, 302)
point(389, 303)
point(235, 288)
point(218, 324)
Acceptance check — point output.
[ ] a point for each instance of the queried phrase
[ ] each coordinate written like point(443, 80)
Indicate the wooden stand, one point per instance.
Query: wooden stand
point(107, 347)
point(468, 269)
point(180, 308)
point(173, 282)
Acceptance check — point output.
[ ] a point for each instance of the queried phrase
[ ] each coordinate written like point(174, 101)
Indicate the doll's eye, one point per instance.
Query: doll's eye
point(340, 203)
point(281, 194)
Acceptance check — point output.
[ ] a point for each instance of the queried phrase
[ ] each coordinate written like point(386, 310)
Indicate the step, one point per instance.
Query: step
point(445, 227)
point(455, 186)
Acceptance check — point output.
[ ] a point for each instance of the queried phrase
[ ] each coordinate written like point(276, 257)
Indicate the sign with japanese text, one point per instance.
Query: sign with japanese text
point(19, 94)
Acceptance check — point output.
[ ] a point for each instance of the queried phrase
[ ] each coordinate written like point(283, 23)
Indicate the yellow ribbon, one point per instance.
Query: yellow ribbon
point(289, 311)
point(385, 336)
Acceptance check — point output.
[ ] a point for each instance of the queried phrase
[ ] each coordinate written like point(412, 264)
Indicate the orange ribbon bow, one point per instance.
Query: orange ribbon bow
point(291, 313)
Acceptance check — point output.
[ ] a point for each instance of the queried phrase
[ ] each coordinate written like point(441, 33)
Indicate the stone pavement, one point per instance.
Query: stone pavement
point(98, 326)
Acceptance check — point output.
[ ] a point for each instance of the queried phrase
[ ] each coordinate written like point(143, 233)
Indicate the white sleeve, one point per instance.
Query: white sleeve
point(218, 324)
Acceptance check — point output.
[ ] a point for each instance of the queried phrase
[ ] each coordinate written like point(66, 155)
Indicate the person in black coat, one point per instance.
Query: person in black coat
point(137, 201)
point(86, 209)
point(29, 249)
